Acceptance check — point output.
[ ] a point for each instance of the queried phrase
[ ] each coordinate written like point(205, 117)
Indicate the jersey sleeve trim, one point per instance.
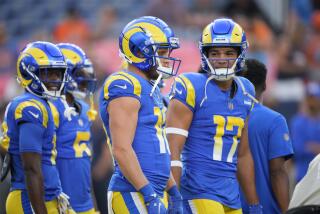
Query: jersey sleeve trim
point(191, 98)
point(43, 111)
point(134, 81)
point(109, 81)
point(34, 103)
point(126, 77)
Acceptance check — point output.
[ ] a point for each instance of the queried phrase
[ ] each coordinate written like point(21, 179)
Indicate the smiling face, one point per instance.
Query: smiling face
point(52, 78)
point(222, 57)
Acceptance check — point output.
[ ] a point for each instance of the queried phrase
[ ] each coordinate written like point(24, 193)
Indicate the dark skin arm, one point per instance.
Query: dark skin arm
point(34, 180)
point(279, 182)
point(245, 171)
point(178, 116)
point(170, 182)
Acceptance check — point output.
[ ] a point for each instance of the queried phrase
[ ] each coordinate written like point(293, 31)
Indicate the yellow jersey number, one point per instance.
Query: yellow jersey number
point(80, 148)
point(164, 147)
point(226, 123)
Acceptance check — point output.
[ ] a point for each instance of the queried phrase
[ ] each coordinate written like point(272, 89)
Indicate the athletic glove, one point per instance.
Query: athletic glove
point(255, 209)
point(175, 201)
point(152, 200)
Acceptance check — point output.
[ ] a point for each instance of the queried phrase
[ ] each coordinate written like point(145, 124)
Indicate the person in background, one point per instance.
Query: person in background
point(74, 120)
point(270, 145)
point(305, 129)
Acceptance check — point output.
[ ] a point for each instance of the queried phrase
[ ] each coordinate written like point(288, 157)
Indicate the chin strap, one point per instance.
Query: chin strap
point(205, 89)
point(92, 113)
point(156, 84)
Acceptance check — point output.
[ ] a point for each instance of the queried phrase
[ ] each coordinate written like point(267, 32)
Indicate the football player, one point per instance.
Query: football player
point(132, 111)
point(73, 129)
point(206, 123)
point(29, 132)
point(270, 145)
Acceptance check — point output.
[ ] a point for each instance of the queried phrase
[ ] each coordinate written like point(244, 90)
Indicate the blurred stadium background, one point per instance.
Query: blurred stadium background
point(285, 35)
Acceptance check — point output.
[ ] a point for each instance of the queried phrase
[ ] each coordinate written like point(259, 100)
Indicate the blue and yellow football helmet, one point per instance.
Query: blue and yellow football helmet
point(223, 33)
point(82, 80)
point(142, 38)
point(41, 69)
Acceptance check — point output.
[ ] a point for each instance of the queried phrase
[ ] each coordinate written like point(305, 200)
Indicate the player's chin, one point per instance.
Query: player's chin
point(152, 74)
point(53, 87)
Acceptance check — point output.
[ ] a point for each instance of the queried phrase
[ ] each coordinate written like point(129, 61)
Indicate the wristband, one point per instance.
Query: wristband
point(172, 130)
point(176, 163)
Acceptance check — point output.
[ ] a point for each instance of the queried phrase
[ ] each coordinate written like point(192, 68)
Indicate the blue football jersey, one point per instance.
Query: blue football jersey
point(149, 143)
point(209, 155)
point(268, 138)
point(73, 137)
point(73, 159)
point(29, 108)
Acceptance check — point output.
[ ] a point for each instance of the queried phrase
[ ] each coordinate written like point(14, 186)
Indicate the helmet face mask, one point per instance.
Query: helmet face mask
point(41, 69)
point(147, 43)
point(223, 35)
point(84, 81)
point(81, 75)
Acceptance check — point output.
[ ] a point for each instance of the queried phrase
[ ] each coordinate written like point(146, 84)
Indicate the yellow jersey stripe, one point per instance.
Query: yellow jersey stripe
point(109, 81)
point(36, 104)
point(44, 112)
point(55, 114)
point(191, 95)
point(118, 203)
point(54, 150)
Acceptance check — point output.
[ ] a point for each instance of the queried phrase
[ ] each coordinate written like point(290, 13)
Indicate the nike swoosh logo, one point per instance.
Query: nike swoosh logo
point(121, 86)
point(33, 114)
point(179, 91)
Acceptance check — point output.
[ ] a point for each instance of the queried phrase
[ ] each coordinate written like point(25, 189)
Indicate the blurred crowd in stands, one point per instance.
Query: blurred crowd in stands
point(290, 51)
